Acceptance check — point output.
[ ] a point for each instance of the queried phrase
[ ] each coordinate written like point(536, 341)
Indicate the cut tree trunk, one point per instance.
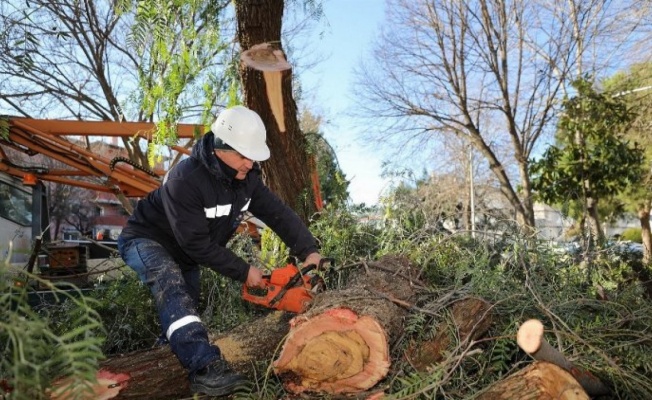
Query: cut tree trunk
point(157, 374)
point(355, 322)
point(470, 319)
point(540, 380)
point(270, 94)
point(341, 345)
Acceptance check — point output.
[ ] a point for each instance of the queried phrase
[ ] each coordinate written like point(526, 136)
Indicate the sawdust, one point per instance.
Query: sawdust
point(232, 350)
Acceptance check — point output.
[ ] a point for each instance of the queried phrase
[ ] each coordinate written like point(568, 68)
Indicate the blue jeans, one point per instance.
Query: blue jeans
point(176, 294)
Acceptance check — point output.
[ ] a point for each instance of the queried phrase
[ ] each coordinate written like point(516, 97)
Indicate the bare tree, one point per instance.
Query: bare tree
point(61, 201)
point(88, 60)
point(490, 72)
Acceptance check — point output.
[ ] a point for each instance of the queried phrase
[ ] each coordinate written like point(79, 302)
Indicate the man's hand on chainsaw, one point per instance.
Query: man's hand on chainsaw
point(254, 277)
point(313, 259)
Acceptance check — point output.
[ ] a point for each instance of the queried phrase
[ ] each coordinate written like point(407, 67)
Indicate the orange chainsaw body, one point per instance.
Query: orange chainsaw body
point(285, 288)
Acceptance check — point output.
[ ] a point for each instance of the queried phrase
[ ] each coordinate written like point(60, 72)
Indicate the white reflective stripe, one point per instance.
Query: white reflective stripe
point(218, 211)
point(188, 319)
point(246, 206)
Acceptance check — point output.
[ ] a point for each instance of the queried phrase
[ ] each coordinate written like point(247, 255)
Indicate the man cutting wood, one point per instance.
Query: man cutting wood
point(188, 221)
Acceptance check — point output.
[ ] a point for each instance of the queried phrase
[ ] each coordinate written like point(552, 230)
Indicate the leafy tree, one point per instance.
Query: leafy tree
point(95, 60)
point(591, 160)
point(178, 46)
point(634, 88)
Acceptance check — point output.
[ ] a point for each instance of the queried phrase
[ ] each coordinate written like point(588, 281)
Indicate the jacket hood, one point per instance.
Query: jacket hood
point(203, 151)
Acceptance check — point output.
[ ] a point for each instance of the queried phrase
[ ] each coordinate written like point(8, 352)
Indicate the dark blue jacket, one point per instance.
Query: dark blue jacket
point(197, 210)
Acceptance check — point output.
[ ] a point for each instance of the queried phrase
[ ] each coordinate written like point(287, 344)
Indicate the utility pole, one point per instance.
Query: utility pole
point(471, 192)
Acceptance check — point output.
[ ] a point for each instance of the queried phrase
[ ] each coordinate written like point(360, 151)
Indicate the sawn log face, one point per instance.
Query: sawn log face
point(341, 344)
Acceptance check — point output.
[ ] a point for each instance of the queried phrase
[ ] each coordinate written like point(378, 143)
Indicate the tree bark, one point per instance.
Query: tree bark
point(157, 374)
point(539, 380)
point(287, 171)
point(595, 229)
point(643, 271)
point(646, 235)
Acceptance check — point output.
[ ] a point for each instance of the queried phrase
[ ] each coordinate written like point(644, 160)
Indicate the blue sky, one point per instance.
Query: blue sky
point(347, 34)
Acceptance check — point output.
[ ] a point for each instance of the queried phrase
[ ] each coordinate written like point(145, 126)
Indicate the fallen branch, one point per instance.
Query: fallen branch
point(530, 339)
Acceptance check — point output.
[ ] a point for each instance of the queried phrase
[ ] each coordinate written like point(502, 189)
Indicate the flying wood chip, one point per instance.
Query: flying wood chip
point(263, 57)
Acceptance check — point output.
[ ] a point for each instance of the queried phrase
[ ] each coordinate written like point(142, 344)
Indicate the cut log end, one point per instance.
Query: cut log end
point(529, 336)
point(334, 352)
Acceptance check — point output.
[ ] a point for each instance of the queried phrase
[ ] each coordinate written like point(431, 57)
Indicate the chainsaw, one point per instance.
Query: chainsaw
point(287, 288)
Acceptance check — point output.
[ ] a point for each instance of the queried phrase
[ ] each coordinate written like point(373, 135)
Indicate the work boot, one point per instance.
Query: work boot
point(217, 379)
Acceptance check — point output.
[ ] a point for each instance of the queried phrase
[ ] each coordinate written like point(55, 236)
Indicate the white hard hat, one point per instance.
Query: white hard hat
point(243, 130)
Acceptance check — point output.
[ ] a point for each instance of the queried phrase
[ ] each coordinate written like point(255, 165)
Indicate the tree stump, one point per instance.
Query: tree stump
point(540, 380)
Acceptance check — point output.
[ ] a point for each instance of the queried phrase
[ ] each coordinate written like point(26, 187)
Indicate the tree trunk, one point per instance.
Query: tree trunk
point(644, 218)
point(365, 312)
point(593, 219)
point(526, 195)
point(470, 319)
point(643, 271)
point(287, 171)
point(156, 374)
point(539, 380)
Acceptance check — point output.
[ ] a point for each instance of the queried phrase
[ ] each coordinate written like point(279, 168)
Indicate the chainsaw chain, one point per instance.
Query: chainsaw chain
point(119, 159)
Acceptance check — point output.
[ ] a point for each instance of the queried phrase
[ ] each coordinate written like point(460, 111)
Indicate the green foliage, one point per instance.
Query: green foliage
point(607, 322)
point(522, 281)
point(33, 354)
point(333, 183)
point(632, 234)
point(273, 252)
point(416, 385)
point(343, 235)
point(634, 87)
point(128, 314)
point(592, 158)
point(176, 42)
